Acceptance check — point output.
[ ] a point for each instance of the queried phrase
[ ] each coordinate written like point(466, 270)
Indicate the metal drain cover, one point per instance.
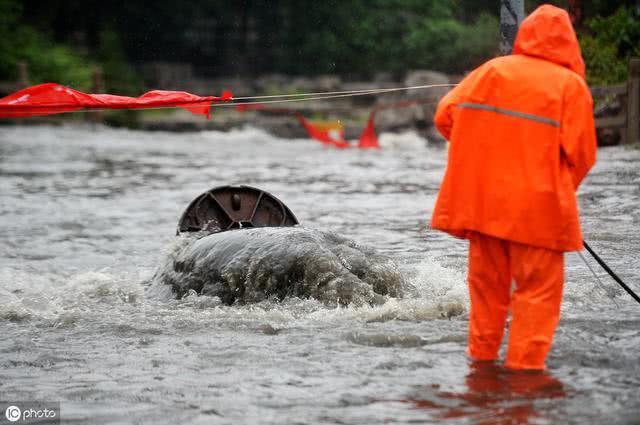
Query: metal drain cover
point(235, 207)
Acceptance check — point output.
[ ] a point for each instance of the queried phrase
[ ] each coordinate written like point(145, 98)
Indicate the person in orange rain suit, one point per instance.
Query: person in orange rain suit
point(522, 138)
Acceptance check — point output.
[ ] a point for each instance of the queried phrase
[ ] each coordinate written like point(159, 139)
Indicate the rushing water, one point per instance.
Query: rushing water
point(89, 214)
point(253, 265)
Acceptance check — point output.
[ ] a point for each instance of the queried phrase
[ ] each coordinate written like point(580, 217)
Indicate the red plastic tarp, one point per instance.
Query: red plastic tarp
point(51, 98)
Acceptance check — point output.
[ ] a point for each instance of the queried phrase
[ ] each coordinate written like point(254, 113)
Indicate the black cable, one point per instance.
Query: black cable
point(611, 273)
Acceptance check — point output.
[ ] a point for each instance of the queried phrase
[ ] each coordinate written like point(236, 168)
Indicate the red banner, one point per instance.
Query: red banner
point(51, 98)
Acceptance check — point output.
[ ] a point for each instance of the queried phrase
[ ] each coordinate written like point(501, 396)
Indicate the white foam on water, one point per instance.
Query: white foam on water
point(246, 134)
point(114, 298)
point(406, 140)
point(426, 291)
point(60, 301)
point(433, 292)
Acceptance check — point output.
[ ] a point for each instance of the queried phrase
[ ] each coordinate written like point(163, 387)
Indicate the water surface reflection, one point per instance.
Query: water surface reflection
point(495, 395)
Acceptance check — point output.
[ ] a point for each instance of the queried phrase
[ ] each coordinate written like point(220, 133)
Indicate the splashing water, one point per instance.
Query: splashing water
point(255, 264)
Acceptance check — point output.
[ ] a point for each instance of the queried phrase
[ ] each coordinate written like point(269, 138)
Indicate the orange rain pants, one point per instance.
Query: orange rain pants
point(534, 305)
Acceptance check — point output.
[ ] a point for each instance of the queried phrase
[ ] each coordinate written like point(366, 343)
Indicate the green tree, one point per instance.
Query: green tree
point(607, 45)
point(47, 61)
point(119, 76)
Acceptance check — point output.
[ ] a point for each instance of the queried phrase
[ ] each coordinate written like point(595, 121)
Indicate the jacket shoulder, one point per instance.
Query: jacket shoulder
point(579, 82)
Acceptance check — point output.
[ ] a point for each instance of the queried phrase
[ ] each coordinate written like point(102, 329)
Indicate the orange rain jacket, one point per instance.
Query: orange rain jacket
point(522, 139)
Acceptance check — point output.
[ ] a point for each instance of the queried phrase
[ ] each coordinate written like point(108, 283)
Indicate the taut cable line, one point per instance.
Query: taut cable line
point(361, 91)
point(287, 98)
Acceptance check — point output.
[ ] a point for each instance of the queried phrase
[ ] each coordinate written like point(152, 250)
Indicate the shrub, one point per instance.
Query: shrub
point(607, 45)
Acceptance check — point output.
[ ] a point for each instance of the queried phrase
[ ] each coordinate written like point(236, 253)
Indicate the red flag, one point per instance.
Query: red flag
point(368, 138)
point(51, 98)
point(323, 135)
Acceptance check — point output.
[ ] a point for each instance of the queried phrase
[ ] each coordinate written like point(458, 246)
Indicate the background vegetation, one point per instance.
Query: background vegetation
point(62, 40)
point(607, 44)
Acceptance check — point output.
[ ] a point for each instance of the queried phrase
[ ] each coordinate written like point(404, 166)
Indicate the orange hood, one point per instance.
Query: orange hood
point(548, 34)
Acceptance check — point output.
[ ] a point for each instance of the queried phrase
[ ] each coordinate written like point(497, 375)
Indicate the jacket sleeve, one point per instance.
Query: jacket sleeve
point(577, 132)
point(443, 118)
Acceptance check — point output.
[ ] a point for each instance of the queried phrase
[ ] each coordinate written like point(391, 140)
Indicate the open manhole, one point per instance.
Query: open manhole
point(235, 207)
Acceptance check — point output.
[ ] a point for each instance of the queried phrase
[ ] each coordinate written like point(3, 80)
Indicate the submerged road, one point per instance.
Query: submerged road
point(87, 215)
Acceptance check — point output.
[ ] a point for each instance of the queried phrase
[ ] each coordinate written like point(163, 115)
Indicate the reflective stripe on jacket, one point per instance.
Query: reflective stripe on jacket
point(522, 139)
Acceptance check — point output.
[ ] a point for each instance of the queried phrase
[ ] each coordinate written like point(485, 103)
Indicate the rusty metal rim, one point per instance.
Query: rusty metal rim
point(234, 224)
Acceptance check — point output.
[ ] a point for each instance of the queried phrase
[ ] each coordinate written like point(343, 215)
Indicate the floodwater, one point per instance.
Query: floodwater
point(89, 214)
point(275, 263)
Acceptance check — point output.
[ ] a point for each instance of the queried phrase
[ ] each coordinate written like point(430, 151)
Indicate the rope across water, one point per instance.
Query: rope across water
point(297, 97)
